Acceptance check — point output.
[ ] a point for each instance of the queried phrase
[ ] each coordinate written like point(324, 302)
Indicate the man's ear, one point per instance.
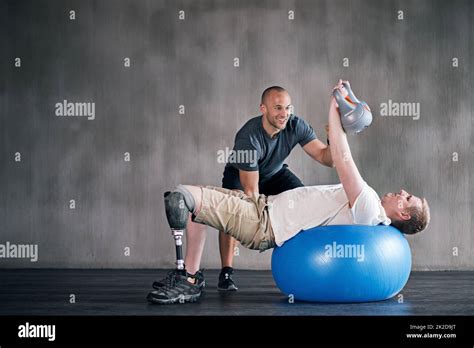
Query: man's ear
point(403, 215)
point(263, 108)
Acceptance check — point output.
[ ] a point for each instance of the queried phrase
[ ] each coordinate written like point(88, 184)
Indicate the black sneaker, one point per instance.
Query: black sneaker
point(225, 280)
point(168, 280)
point(179, 291)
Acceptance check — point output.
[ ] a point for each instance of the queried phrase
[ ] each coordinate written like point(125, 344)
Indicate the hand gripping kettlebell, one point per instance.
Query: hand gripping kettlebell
point(355, 114)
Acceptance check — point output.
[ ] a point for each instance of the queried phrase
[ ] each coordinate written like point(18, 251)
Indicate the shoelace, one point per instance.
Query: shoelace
point(170, 277)
point(171, 285)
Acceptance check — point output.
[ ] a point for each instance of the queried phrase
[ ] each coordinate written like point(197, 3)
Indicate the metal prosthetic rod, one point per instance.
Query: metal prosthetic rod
point(177, 214)
point(178, 240)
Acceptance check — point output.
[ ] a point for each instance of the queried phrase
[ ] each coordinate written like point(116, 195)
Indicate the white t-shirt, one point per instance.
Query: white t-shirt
point(310, 206)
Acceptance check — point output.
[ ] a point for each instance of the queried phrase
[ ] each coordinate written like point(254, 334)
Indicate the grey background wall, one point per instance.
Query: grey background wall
point(190, 62)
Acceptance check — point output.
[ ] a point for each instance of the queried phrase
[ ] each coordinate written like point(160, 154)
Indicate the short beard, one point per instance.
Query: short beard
point(276, 126)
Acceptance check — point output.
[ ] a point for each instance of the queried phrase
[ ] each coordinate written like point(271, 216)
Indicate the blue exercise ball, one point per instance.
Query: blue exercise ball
point(343, 263)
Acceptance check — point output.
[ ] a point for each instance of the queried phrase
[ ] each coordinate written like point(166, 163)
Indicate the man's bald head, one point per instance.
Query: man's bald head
point(276, 109)
point(269, 90)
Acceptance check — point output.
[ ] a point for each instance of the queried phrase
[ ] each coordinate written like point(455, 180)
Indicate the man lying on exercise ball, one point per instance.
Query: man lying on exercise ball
point(260, 222)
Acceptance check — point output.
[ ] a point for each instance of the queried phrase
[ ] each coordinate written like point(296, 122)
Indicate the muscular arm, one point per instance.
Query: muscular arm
point(319, 152)
point(249, 181)
point(341, 154)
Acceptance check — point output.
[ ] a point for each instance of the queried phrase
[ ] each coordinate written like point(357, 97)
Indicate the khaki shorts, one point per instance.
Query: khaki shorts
point(243, 217)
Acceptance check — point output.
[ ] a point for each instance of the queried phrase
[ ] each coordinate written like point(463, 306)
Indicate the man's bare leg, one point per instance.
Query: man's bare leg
point(195, 241)
point(227, 245)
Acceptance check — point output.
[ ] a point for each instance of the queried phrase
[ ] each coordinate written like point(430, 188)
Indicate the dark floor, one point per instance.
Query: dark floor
point(123, 292)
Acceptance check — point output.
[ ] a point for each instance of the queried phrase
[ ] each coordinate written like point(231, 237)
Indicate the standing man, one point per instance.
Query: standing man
point(261, 146)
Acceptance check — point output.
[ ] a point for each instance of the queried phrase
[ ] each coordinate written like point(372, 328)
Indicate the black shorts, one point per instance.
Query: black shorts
point(281, 181)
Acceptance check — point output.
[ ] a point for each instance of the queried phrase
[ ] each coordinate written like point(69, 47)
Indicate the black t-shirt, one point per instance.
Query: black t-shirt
point(255, 150)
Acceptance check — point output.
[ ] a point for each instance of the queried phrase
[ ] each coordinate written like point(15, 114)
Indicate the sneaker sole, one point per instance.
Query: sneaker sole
point(182, 299)
point(230, 288)
point(156, 287)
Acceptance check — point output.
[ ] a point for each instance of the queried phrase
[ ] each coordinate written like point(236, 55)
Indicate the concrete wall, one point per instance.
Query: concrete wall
point(190, 62)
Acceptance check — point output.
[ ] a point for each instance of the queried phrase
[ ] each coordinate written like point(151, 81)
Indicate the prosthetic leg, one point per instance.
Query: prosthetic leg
point(176, 287)
point(177, 214)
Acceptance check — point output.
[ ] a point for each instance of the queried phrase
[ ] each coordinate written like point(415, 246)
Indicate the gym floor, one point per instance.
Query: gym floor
point(123, 292)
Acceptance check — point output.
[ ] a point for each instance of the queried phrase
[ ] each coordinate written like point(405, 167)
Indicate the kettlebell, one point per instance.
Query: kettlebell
point(355, 114)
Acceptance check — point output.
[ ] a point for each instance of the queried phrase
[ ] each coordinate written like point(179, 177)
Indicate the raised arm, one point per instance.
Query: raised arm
point(341, 154)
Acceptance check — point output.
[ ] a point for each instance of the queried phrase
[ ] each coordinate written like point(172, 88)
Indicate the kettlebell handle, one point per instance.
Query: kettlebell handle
point(355, 114)
point(350, 100)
